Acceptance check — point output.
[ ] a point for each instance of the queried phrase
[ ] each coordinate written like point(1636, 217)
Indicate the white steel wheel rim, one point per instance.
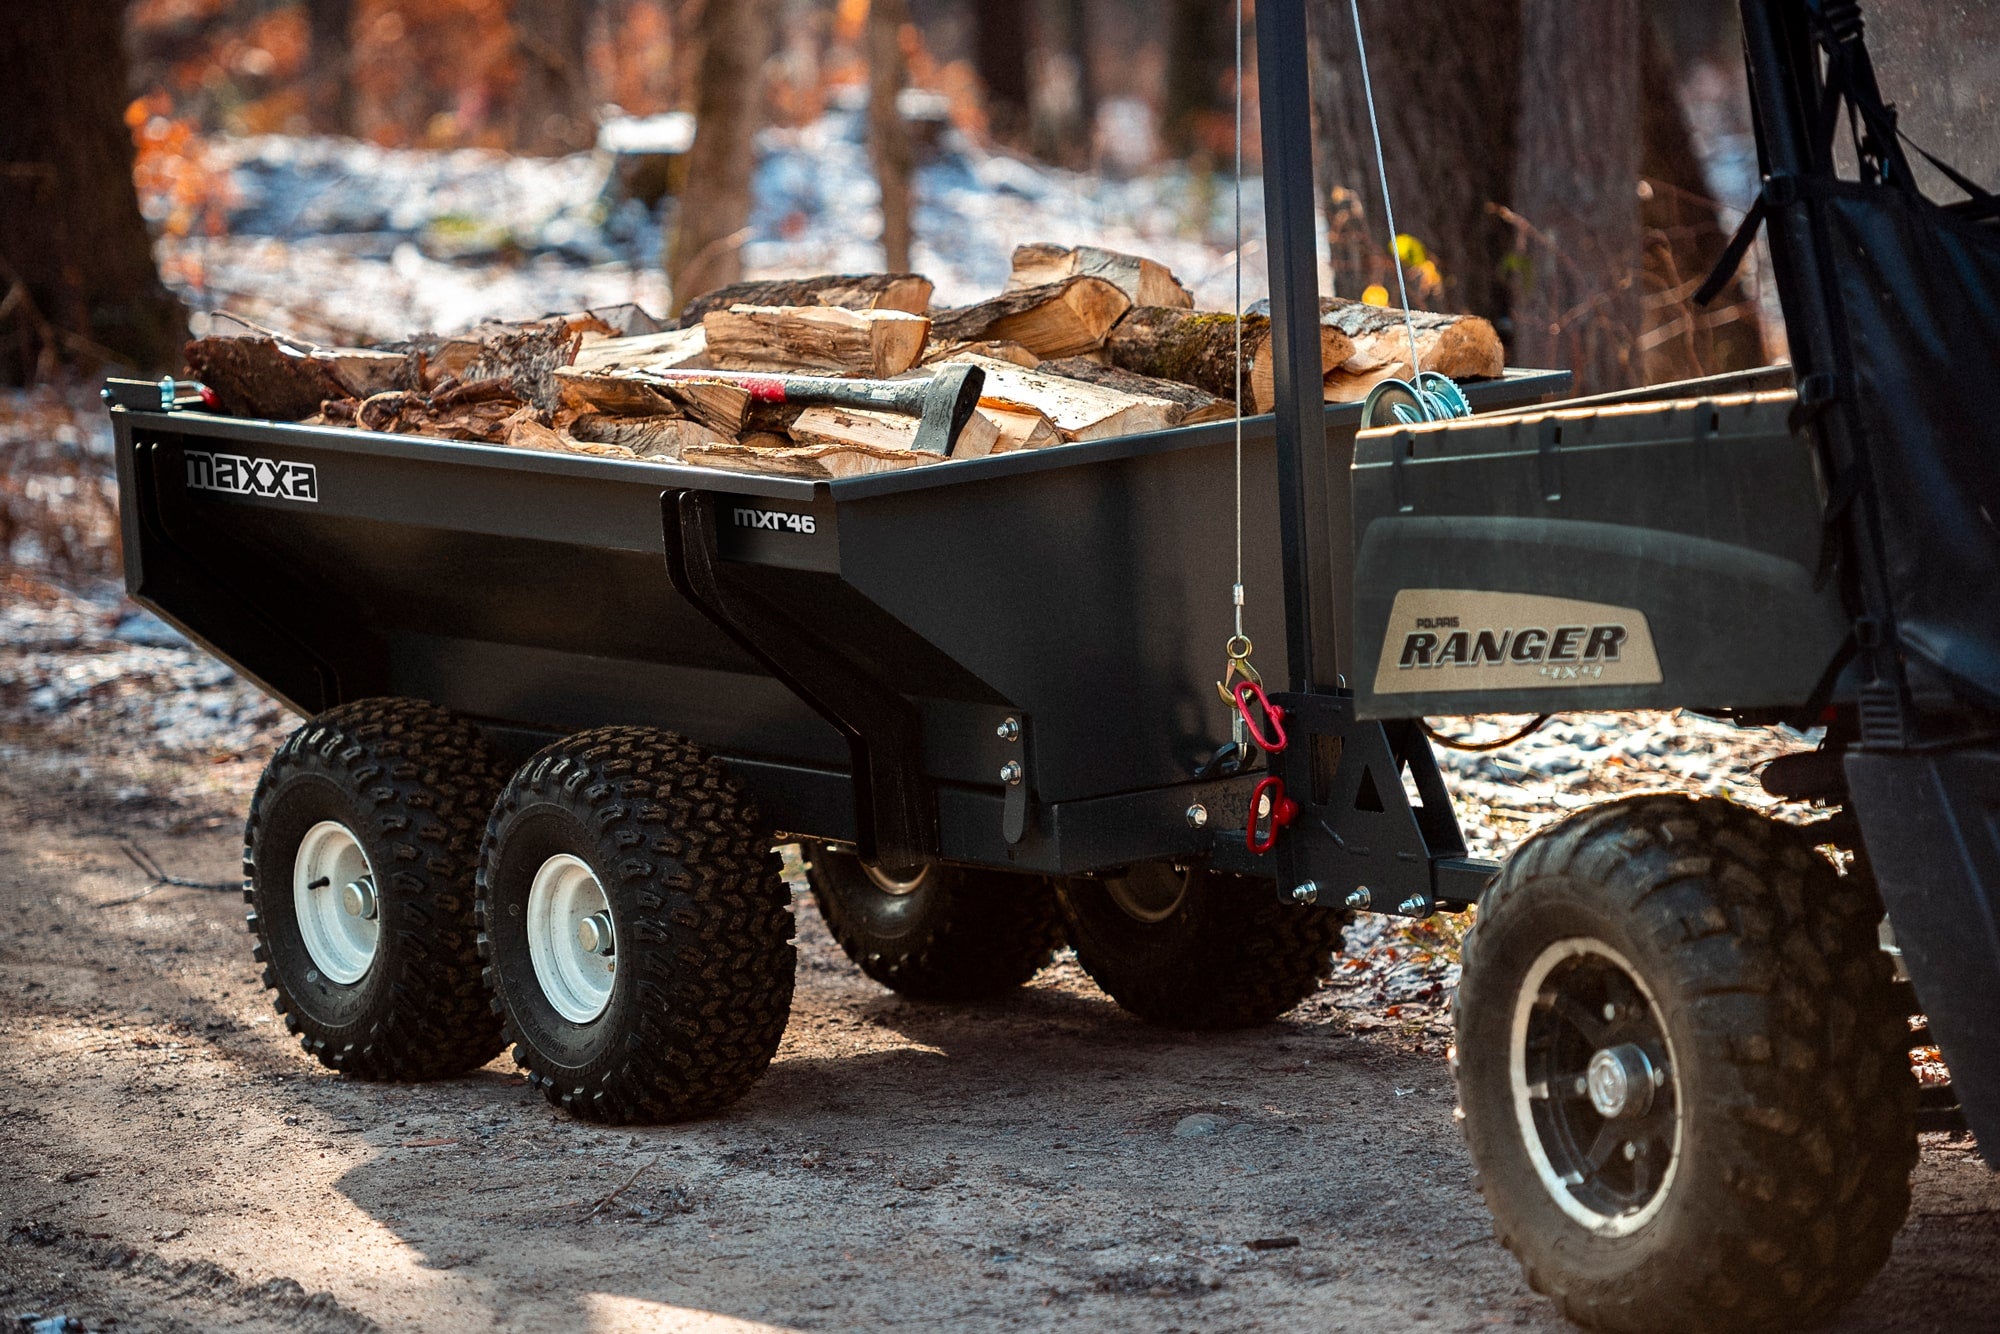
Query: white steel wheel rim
point(572, 940)
point(1553, 1180)
point(334, 897)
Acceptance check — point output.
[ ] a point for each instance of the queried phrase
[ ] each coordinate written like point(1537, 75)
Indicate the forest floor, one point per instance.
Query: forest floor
point(174, 1162)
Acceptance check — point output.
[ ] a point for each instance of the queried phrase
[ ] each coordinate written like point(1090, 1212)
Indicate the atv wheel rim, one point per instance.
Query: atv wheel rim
point(572, 940)
point(334, 897)
point(1596, 1087)
point(1149, 892)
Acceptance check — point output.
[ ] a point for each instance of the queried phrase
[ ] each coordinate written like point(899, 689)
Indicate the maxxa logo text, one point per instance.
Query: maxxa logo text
point(1528, 647)
point(245, 475)
point(776, 520)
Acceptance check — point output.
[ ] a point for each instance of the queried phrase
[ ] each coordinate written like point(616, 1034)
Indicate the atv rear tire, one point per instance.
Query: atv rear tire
point(358, 862)
point(1683, 1070)
point(942, 934)
point(1195, 948)
point(637, 936)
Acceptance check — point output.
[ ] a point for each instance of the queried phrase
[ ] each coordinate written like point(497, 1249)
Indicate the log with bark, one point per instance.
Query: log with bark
point(1019, 428)
point(1465, 347)
point(1077, 410)
point(874, 343)
point(1014, 352)
point(482, 410)
point(1057, 319)
point(717, 404)
point(817, 462)
point(1195, 405)
point(646, 437)
point(1199, 348)
point(1145, 282)
point(909, 292)
point(525, 354)
point(259, 376)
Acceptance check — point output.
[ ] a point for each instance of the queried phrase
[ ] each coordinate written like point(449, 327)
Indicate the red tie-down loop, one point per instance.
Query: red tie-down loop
point(1283, 811)
point(1274, 714)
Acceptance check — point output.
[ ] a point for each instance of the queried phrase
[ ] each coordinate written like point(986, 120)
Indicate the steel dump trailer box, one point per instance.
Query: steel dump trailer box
point(869, 655)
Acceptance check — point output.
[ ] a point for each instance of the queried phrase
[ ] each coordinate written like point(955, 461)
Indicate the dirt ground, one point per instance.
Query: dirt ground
point(173, 1162)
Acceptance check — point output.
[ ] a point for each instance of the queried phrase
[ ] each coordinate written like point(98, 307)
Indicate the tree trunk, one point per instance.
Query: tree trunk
point(1000, 56)
point(888, 135)
point(1684, 238)
point(1445, 79)
point(552, 110)
point(705, 250)
point(330, 55)
point(1065, 92)
point(1201, 56)
point(1577, 293)
point(77, 280)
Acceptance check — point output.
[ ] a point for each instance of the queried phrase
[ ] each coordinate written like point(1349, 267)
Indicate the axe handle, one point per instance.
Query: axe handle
point(903, 396)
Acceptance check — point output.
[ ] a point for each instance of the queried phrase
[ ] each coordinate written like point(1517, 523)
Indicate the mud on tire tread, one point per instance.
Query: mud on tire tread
point(1799, 1130)
point(423, 780)
point(704, 923)
point(971, 935)
point(1230, 956)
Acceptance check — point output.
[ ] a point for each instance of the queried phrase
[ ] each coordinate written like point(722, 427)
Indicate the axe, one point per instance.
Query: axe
point(943, 401)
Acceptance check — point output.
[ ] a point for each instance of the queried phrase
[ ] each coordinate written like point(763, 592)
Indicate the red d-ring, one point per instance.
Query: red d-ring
point(1271, 711)
point(1283, 811)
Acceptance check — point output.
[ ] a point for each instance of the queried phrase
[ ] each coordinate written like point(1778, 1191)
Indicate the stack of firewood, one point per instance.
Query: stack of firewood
point(1083, 344)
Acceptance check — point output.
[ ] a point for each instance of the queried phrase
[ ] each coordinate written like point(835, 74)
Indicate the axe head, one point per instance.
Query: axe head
point(949, 398)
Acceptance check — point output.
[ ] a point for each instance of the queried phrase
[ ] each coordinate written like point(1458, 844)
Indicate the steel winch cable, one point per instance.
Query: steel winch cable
point(1382, 170)
point(1236, 589)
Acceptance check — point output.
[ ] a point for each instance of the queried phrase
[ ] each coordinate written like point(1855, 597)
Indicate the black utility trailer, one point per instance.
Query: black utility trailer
point(561, 708)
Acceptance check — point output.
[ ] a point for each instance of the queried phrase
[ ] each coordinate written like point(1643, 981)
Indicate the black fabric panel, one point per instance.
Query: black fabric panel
point(1920, 295)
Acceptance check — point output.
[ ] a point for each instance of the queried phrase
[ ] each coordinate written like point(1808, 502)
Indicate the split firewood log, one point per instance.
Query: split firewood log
point(1465, 347)
point(260, 376)
point(909, 292)
point(526, 430)
point(887, 430)
point(877, 343)
point(1020, 428)
point(1195, 405)
point(1199, 348)
point(646, 437)
point(1077, 410)
point(999, 351)
point(815, 462)
point(673, 349)
point(1145, 281)
point(1057, 319)
point(717, 404)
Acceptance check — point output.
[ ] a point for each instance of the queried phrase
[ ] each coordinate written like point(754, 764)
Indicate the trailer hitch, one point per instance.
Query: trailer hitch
point(1359, 837)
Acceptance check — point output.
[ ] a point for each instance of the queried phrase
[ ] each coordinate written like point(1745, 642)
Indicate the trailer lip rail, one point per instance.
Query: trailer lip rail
point(1516, 387)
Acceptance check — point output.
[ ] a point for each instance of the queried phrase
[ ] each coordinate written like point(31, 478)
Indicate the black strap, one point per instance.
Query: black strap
point(1732, 255)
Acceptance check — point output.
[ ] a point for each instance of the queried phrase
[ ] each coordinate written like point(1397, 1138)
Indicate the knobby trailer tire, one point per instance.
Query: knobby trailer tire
point(702, 926)
point(942, 934)
point(410, 785)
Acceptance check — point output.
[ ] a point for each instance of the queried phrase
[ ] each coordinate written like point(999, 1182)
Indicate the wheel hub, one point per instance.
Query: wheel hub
point(1149, 892)
point(572, 938)
point(1621, 1081)
point(358, 899)
point(1595, 1093)
point(335, 902)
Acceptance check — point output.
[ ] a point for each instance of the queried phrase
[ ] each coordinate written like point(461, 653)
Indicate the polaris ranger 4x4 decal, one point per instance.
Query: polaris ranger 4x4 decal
point(244, 475)
point(1462, 639)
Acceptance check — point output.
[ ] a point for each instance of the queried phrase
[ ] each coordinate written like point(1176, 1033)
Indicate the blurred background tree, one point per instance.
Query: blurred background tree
point(1554, 166)
point(77, 280)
